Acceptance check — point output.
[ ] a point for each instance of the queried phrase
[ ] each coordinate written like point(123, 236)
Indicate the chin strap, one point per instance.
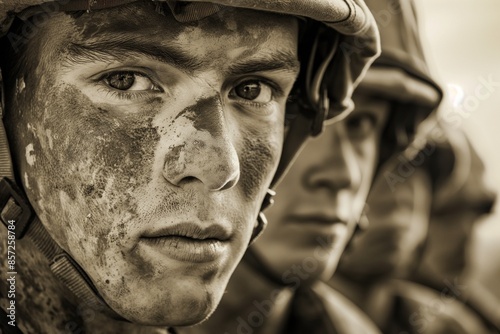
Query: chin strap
point(261, 218)
point(14, 207)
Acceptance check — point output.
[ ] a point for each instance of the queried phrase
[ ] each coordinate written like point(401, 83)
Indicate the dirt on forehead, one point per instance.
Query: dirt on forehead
point(138, 17)
point(152, 19)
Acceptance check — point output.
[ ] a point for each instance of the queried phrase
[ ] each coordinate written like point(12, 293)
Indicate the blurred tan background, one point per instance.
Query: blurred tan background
point(462, 40)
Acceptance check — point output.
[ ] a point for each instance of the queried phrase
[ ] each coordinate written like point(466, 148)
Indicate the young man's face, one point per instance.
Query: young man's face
point(146, 147)
point(321, 198)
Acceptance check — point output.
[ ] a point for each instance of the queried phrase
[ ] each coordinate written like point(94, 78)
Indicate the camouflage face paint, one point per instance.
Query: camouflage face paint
point(177, 156)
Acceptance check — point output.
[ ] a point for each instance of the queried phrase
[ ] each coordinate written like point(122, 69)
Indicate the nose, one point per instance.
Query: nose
point(205, 154)
point(337, 167)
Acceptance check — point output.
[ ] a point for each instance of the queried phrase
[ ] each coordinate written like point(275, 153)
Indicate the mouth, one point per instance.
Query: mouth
point(188, 242)
point(313, 228)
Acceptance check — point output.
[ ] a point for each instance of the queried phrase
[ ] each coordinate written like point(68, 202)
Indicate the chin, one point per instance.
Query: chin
point(175, 303)
point(185, 311)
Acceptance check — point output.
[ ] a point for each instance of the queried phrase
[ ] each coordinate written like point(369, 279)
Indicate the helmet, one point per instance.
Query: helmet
point(328, 25)
point(400, 75)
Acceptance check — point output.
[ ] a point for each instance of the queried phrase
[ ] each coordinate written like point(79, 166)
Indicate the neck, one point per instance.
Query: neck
point(43, 304)
point(252, 304)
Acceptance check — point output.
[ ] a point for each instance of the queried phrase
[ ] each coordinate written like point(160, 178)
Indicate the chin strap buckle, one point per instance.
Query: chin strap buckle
point(261, 224)
point(268, 199)
point(14, 207)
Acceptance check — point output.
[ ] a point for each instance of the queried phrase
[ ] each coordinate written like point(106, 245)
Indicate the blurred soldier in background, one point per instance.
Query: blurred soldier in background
point(421, 211)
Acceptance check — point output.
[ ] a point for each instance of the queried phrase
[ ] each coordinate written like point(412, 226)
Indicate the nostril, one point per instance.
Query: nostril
point(229, 184)
point(191, 179)
point(187, 180)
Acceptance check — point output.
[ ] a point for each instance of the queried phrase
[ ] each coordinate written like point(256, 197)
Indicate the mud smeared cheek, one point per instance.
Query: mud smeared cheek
point(99, 146)
point(258, 160)
point(97, 161)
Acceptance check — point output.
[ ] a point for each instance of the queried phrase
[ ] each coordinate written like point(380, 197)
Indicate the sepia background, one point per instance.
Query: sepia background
point(462, 42)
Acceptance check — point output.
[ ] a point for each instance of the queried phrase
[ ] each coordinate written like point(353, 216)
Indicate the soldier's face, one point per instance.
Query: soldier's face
point(146, 147)
point(321, 199)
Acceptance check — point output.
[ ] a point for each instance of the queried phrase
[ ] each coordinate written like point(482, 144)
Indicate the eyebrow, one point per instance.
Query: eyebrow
point(276, 61)
point(121, 50)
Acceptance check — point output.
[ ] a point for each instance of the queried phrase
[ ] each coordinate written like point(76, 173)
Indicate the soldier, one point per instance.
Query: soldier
point(421, 210)
point(144, 137)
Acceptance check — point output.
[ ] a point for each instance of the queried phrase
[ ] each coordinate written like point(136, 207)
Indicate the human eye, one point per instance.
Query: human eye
point(361, 125)
point(254, 92)
point(127, 85)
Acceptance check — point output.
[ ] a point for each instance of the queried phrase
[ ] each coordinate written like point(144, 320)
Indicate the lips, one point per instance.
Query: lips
point(191, 231)
point(188, 242)
point(308, 229)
